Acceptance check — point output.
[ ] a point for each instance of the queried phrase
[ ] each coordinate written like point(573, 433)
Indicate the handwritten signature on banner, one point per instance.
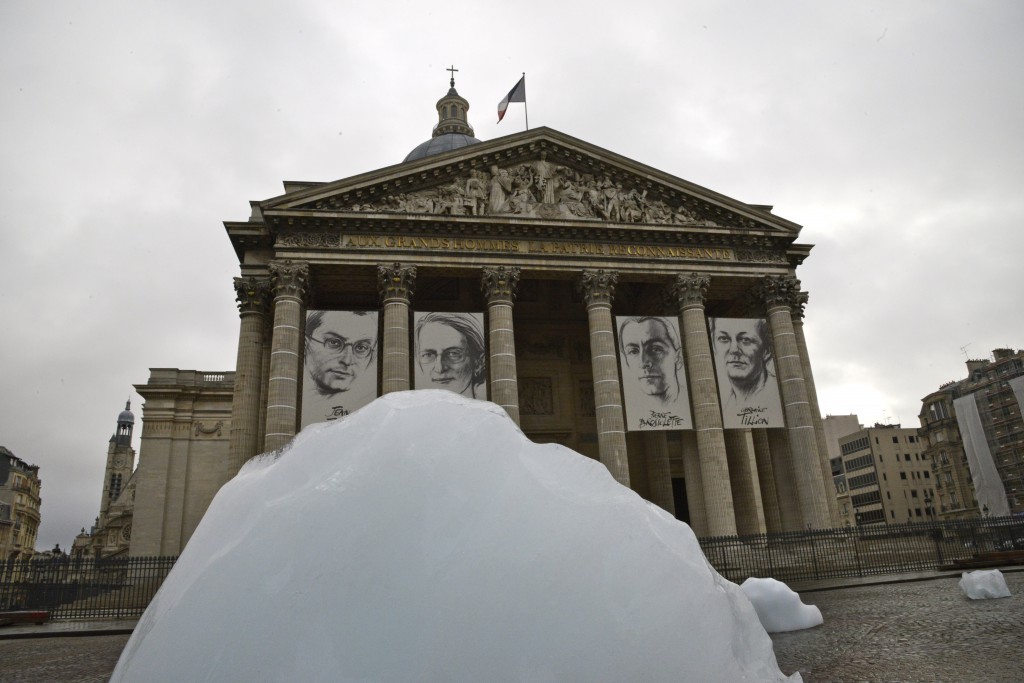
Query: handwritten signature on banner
point(657, 419)
point(752, 416)
point(336, 412)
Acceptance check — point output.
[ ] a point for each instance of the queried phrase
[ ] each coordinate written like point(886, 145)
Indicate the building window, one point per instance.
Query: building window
point(895, 439)
point(858, 463)
point(903, 475)
point(855, 445)
point(861, 481)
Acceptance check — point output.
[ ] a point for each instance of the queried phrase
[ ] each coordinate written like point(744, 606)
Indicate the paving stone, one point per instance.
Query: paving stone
point(926, 631)
point(83, 659)
point(918, 632)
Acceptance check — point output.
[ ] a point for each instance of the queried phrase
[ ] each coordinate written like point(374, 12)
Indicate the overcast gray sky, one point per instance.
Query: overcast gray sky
point(891, 131)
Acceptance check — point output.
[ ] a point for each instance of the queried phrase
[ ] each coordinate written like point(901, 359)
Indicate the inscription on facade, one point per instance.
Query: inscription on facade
point(515, 246)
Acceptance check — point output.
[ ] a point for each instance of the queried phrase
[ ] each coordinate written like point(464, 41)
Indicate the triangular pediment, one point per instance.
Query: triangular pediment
point(539, 174)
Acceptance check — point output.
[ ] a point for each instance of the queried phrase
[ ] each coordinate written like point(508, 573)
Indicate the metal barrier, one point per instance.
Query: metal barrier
point(78, 588)
point(861, 551)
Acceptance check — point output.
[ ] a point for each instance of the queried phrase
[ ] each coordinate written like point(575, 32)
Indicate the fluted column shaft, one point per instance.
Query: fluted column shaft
point(778, 293)
point(812, 397)
point(746, 491)
point(690, 291)
point(598, 287)
point(499, 286)
point(766, 480)
point(253, 296)
point(783, 466)
point(694, 485)
point(289, 282)
point(659, 471)
point(396, 283)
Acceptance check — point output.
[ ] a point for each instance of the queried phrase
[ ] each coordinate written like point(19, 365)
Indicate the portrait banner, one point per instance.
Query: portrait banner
point(653, 373)
point(449, 353)
point(339, 364)
point(745, 366)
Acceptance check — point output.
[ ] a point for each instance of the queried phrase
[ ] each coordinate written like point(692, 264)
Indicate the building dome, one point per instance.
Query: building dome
point(126, 416)
point(440, 144)
point(452, 130)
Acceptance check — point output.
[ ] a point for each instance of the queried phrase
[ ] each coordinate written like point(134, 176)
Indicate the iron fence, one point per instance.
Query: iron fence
point(79, 588)
point(861, 551)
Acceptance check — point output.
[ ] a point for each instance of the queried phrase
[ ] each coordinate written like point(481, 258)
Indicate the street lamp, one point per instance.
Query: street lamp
point(984, 510)
point(928, 503)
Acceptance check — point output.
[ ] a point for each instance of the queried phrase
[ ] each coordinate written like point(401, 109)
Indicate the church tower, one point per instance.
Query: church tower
point(120, 460)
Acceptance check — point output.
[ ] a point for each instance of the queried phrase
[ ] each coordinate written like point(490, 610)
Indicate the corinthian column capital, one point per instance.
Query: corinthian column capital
point(802, 298)
point(289, 277)
point(252, 294)
point(500, 283)
point(691, 289)
point(598, 286)
point(779, 290)
point(396, 281)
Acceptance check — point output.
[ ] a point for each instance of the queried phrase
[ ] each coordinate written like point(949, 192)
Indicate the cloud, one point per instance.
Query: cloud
point(891, 132)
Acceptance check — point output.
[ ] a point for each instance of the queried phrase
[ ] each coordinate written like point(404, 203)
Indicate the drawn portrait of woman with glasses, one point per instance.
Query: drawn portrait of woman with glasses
point(450, 353)
point(340, 362)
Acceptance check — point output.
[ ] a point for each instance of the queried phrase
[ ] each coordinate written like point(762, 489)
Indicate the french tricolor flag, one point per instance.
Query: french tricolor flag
point(516, 94)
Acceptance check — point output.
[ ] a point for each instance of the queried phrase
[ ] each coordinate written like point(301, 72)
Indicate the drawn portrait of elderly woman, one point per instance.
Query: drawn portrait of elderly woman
point(450, 353)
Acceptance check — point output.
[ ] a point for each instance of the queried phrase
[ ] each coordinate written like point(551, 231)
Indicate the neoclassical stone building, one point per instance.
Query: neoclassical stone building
point(551, 239)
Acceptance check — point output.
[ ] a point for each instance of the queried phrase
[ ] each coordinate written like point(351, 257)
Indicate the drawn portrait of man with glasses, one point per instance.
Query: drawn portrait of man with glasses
point(653, 375)
point(340, 364)
point(450, 353)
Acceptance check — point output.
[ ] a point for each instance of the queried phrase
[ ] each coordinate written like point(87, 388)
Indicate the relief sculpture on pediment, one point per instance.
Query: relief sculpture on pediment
point(539, 189)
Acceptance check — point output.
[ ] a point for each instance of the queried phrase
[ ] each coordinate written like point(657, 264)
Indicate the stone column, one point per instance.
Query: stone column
point(598, 288)
point(499, 286)
point(396, 283)
point(790, 511)
point(289, 283)
point(766, 481)
point(659, 471)
point(268, 335)
point(779, 293)
point(812, 397)
point(746, 491)
point(253, 294)
point(690, 292)
point(694, 485)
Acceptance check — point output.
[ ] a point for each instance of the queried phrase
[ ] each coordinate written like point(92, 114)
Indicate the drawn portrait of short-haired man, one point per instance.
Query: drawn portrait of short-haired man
point(653, 376)
point(340, 362)
point(745, 366)
point(450, 353)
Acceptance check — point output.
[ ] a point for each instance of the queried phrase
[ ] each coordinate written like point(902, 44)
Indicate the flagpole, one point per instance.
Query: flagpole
point(526, 108)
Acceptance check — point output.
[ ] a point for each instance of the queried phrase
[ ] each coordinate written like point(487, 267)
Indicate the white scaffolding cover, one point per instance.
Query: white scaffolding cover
point(988, 486)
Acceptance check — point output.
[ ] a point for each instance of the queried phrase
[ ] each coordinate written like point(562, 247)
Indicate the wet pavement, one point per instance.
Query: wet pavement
point(924, 631)
point(913, 632)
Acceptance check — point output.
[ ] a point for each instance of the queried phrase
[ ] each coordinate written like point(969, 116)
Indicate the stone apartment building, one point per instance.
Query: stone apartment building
point(19, 507)
point(973, 434)
point(882, 477)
